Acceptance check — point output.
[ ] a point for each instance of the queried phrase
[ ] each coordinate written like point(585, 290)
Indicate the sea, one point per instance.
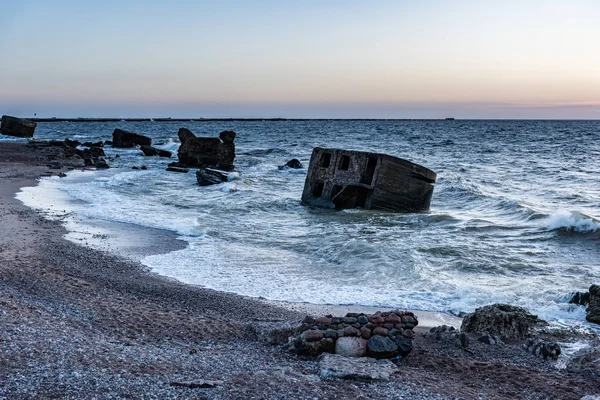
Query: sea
point(515, 213)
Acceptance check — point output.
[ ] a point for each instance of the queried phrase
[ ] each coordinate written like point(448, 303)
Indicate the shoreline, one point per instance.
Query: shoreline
point(114, 237)
point(78, 322)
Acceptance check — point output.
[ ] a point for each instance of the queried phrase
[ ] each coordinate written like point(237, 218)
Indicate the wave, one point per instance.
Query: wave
point(573, 221)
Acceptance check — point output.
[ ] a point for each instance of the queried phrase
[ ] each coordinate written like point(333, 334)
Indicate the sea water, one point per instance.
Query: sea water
point(515, 214)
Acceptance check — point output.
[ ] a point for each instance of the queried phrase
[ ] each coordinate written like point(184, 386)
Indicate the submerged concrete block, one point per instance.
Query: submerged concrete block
point(347, 179)
point(13, 126)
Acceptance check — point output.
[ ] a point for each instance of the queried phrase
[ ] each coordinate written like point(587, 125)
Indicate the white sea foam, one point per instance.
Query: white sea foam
point(573, 221)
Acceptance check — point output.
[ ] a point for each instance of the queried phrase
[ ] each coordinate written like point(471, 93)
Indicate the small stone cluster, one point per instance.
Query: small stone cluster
point(450, 334)
point(379, 335)
point(542, 348)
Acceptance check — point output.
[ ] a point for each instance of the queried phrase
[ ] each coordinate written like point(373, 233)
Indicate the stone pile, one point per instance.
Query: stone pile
point(543, 348)
point(449, 334)
point(379, 335)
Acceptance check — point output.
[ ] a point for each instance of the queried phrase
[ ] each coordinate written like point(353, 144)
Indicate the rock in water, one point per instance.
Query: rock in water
point(13, 126)
point(381, 347)
point(293, 163)
point(226, 151)
point(593, 309)
point(361, 369)
point(185, 134)
point(351, 346)
point(209, 176)
point(123, 138)
point(580, 298)
point(207, 152)
point(503, 320)
point(176, 169)
point(153, 151)
point(101, 163)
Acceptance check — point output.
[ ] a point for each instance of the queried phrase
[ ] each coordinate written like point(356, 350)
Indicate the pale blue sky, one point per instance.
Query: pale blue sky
point(339, 59)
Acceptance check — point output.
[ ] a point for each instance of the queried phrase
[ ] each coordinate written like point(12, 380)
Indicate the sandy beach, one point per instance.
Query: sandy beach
point(80, 323)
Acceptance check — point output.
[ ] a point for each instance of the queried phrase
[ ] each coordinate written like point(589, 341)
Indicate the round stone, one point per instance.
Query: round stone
point(351, 347)
point(381, 347)
point(380, 331)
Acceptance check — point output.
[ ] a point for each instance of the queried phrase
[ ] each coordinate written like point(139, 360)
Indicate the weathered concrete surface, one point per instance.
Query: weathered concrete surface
point(207, 152)
point(13, 126)
point(348, 179)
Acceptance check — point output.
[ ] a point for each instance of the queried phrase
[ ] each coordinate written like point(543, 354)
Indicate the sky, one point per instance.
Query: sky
point(301, 59)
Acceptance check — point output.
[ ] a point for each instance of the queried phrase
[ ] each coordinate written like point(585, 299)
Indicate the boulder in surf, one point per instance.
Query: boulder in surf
point(125, 139)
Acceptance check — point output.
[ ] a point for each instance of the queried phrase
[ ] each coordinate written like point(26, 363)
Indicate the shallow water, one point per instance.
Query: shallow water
point(514, 215)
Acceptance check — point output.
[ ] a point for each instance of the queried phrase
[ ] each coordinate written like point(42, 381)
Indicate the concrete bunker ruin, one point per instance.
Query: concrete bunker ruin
point(343, 179)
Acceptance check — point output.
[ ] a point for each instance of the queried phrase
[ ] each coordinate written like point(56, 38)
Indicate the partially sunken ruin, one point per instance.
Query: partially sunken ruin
point(348, 179)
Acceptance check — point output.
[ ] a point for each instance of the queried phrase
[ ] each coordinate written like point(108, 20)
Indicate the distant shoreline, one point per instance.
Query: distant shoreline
point(449, 119)
point(221, 119)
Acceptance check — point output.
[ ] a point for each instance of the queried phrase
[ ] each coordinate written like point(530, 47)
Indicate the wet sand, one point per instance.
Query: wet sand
point(82, 323)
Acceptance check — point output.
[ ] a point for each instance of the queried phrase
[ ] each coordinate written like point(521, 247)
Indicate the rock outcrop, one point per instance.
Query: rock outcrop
point(209, 176)
point(593, 309)
point(92, 157)
point(207, 152)
point(123, 138)
point(503, 320)
point(13, 126)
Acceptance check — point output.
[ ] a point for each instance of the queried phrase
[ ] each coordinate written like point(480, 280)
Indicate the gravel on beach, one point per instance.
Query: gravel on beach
point(78, 323)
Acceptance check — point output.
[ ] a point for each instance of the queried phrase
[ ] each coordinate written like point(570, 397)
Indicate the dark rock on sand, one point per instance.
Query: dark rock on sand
point(313, 348)
point(506, 321)
point(293, 164)
point(593, 309)
point(153, 151)
point(197, 384)
point(362, 369)
point(543, 348)
point(405, 345)
point(123, 138)
point(489, 339)
point(381, 347)
point(209, 176)
point(586, 361)
point(13, 126)
point(175, 169)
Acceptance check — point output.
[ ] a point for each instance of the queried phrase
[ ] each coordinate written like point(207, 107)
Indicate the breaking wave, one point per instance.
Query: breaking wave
point(573, 221)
